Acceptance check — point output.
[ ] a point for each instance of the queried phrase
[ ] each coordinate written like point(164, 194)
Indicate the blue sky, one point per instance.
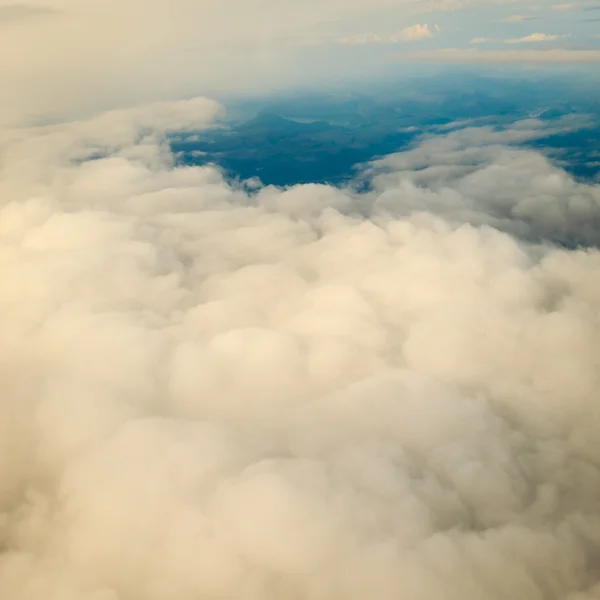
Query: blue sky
point(572, 25)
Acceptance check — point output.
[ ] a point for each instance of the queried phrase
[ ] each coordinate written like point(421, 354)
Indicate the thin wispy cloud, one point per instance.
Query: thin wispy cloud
point(538, 37)
point(408, 34)
point(18, 12)
point(476, 56)
point(456, 5)
point(576, 5)
point(482, 40)
point(567, 6)
point(528, 39)
point(519, 19)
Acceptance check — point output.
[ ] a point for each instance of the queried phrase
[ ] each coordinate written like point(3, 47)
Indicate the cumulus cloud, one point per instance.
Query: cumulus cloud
point(416, 32)
point(311, 392)
point(538, 37)
point(442, 172)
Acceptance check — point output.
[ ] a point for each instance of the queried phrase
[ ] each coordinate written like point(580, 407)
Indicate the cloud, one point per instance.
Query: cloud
point(409, 34)
point(459, 5)
point(483, 154)
point(538, 37)
point(109, 53)
point(102, 54)
point(567, 6)
point(519, 19)
point(415, 32)
point(216, 392)
point(17, 12)
point(576, 5)
point(482, 40)
point(458, 55)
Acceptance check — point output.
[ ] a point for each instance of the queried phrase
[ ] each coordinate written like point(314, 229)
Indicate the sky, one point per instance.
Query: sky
point(212, 388)
point(74, 57)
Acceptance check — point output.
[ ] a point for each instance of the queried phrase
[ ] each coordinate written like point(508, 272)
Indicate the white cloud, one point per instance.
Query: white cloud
point(409, 34)
point(211, 393)
point(538, 37)
point(415, 32)
point(458, 55)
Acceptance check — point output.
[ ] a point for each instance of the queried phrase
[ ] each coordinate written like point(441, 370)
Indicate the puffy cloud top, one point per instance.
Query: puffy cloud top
point(310, 392)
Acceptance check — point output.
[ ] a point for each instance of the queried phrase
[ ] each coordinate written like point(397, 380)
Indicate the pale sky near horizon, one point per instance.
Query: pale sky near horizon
point(63, 57)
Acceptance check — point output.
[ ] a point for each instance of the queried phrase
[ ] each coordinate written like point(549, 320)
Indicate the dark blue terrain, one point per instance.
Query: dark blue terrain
point(322, 137)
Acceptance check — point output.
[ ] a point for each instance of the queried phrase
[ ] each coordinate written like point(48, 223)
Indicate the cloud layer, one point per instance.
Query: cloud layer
point(64, 59)
point(312, 393)
point(111, 53)
point(472, 56)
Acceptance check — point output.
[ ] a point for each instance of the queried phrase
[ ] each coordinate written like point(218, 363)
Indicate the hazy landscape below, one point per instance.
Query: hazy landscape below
point(322, 137)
